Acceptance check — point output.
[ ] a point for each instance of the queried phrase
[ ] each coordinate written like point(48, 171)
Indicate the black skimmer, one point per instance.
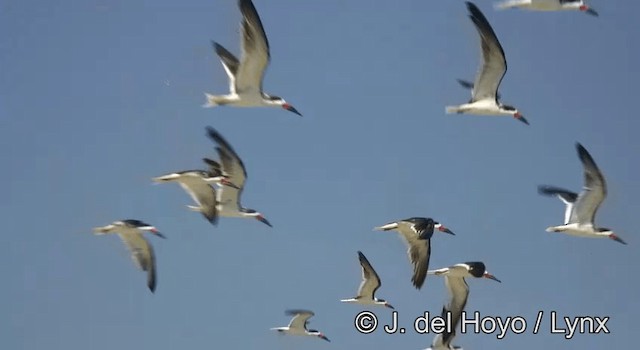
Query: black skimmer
point(368, 287)
point(246, 75)
point(417, 234)
point(548, 5)
point(228, 196)
point(484, 95)
point(298, 325)
point(454, 279)
point(580, 212)
point(130, 231)
point(197, 184)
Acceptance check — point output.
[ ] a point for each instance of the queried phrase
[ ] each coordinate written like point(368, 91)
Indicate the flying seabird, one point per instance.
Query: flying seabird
point(197, 184)
point(368, 287)
point(580, 212)
point(246, 75)
point(229, 197)
point(298, 324)
point(548, 5)
point(130, 231)
point(484, 94)
point(454, 279)
point(417, 234)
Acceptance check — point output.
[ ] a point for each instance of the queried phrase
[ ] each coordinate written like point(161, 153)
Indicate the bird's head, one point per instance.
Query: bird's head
point(587, 9)
point(153, 230)
point(479, 270)
point(440, 227)
point(258, 216)
point(610, 234)
point(514, 112)
point(279, 101)
point(320, 335)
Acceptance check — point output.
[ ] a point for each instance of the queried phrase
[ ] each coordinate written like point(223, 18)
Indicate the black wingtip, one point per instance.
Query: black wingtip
point(472, 8)
point(465, 84)
point(584, 154)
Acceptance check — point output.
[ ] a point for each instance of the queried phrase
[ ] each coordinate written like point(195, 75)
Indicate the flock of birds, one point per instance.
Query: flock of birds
point(217, 190)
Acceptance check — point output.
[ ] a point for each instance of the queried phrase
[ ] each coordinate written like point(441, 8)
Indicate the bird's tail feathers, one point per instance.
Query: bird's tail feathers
point(507, 4)
point(194, 208)
point(211, 101)
point(452, 109)
point(386, 227)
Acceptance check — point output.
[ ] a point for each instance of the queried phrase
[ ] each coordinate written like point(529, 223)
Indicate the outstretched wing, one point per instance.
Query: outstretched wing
point(255, 49)
point(142, 255)
point(493, 64)
point(594, 191)
point(300, 318)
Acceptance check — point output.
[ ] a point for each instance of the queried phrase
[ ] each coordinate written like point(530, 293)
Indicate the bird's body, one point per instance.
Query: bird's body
point(130, 231)
point(298, 325)
point(417, 233)
point(368, 287)
point(454, 278)
point(197, 183)
point(484, 95)
point(581, 209)
point(228, 197)
point(547, 5)
point(246, 74)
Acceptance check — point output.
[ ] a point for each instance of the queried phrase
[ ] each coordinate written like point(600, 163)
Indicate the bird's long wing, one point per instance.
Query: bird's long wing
point(300, 318)
point(493, 64)
point(142, 255)
point(593, 193)
point(458, 293)
point(215, 169)
point(204, 194)
point(229, 197)
point(419, 252)
point(370, 279)
point(231, 162)
point(255, 50)
point(230, 64)
point(566, 196)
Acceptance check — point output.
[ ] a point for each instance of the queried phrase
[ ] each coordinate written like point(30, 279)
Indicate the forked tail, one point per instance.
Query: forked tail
point(211, 101)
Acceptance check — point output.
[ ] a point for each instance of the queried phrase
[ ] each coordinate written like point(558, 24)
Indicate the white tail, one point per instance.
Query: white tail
point(210, 101)
point(194, 208)
point(452, 109)
point(386, 227)
point(508, 4)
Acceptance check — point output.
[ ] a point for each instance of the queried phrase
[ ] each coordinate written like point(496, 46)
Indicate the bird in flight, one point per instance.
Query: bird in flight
point(484, 91)
point(246, 75)
point(417, 234)
point(581, 209)
point(130, 231)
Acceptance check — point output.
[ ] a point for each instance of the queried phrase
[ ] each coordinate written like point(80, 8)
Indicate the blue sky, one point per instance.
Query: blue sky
point(97, 97)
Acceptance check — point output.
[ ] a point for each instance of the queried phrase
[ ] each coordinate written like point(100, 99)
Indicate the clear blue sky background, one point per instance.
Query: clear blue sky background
point(99, 96)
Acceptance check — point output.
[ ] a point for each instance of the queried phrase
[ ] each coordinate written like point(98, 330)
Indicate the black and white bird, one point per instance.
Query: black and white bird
point(228, 197)
point(548, 5)
point(484, 94)
point(298, 324)
point(246, 74)
point(368, 287)
point(197, 183)
point(580, 212)
point(130, 231)
point(417, 233)
point(454, 279)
